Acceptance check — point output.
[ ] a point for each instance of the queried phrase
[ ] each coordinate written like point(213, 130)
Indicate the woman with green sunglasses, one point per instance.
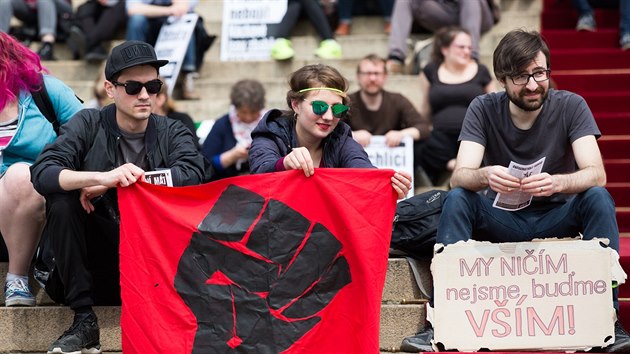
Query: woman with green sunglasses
point(312, 133)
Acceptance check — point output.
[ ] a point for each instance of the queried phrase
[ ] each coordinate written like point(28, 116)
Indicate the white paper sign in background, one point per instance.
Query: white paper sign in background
point(245, 28)
point(171, 45)
point(399, 158)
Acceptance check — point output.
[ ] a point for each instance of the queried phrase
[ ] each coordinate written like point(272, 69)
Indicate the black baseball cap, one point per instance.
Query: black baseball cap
point(130, 54)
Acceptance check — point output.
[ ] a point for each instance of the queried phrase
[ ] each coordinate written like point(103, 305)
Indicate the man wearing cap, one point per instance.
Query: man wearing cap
point(78, 176)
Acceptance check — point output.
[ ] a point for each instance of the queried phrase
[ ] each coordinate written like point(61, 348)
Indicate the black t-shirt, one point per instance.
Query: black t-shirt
point(449, 102)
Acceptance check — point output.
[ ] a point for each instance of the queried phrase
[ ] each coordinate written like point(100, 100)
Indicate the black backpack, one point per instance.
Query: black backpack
point(42, 100)
point(415, 223)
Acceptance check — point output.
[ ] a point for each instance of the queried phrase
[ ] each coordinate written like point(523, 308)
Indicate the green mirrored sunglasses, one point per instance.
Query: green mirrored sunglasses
point(320, 108)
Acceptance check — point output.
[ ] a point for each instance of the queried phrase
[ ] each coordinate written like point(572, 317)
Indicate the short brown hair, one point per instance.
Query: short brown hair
point(516, 50)
point(443, 38)
point(315, 75)
point(374, 59)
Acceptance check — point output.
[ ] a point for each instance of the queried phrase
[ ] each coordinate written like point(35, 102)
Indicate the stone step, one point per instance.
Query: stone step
point(399, 286)
point(212, 12)
point(34, 328)
point(74, 71)
point(366, 36)
point(215, 93)
point(217, 77)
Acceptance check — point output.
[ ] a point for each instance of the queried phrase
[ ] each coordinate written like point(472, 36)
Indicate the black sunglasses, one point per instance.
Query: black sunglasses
point(320, 108)
point(134, 87)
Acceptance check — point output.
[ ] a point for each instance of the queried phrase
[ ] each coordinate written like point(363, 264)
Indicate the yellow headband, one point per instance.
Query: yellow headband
point(341, 93)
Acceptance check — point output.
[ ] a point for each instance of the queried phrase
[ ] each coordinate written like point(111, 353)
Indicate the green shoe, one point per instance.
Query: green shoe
point(329, 49)
point(282, 49)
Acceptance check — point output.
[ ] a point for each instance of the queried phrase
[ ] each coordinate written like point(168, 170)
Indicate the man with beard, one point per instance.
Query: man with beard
point(524, 124)
point(378, 112)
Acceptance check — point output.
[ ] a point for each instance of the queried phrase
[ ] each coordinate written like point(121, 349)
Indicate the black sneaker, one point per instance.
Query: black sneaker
point(96, 54)
point(45, 52)
point(76, 42)
point(81, 338)
point(622, 340)
point(420, 342)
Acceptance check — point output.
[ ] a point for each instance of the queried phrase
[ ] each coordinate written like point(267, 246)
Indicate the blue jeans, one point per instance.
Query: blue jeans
point(139, 27)
point(584, 8)
point(469, 215)
point(344, 9)
point(624, 13)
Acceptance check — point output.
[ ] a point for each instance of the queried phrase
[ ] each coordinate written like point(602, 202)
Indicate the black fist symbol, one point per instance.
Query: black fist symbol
point(257, 291)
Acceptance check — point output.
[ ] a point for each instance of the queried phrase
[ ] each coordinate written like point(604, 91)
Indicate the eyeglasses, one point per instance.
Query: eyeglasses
point(320, 108)
point(538, 76)
point(134, 87)
point(370, 73)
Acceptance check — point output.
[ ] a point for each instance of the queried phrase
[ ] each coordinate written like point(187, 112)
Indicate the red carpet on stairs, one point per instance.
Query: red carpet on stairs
point(592, 65)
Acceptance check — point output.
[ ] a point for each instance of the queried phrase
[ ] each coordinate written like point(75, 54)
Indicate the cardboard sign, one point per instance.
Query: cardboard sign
point(544, 294)
point(245, 28)
point(171, 45)
point(399, 158)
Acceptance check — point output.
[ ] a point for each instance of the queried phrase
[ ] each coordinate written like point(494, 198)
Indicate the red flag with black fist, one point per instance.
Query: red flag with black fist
point(271, 263)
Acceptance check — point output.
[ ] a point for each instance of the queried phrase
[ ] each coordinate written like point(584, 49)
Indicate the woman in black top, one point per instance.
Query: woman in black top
point(448, 84)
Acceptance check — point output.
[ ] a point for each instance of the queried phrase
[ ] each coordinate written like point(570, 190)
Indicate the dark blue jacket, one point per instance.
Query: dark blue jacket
point(219, 140)
point(275, 137)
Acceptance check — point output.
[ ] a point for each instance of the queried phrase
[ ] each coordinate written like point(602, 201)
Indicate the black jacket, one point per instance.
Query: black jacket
point(89, 142)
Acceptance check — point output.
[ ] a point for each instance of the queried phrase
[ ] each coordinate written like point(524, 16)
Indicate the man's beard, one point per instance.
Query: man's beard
point(529, 106)
point(373, 91)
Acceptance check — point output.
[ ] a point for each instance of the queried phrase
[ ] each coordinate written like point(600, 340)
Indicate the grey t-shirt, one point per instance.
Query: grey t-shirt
point(132, 149)
point(564, 118)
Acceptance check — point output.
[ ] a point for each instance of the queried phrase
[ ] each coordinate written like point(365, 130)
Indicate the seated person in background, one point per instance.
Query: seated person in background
point(475, 16)
point(227, 145)
point(448, 84)
point(145, 20)
point(345, 7)
point(526, 122)
point(311, 134)
point(376, 111)
point(96, 21)
point(586, 21)
point(78, 175)
point(165, 106)
point(282, 48)
point(41, 13)
point(100, 98)
point(24, 132)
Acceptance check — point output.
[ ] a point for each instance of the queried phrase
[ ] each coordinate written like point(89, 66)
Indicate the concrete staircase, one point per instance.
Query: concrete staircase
point(217, 77)
point(31, 330)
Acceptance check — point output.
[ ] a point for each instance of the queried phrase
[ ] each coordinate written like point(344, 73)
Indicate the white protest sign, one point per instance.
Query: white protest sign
point(244, 30)
point(544, 294)
point(159, 177)
point(172, 43)
point(399, 158)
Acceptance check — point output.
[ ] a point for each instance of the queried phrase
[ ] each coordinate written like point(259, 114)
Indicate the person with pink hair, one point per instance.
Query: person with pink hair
point(24, 131)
